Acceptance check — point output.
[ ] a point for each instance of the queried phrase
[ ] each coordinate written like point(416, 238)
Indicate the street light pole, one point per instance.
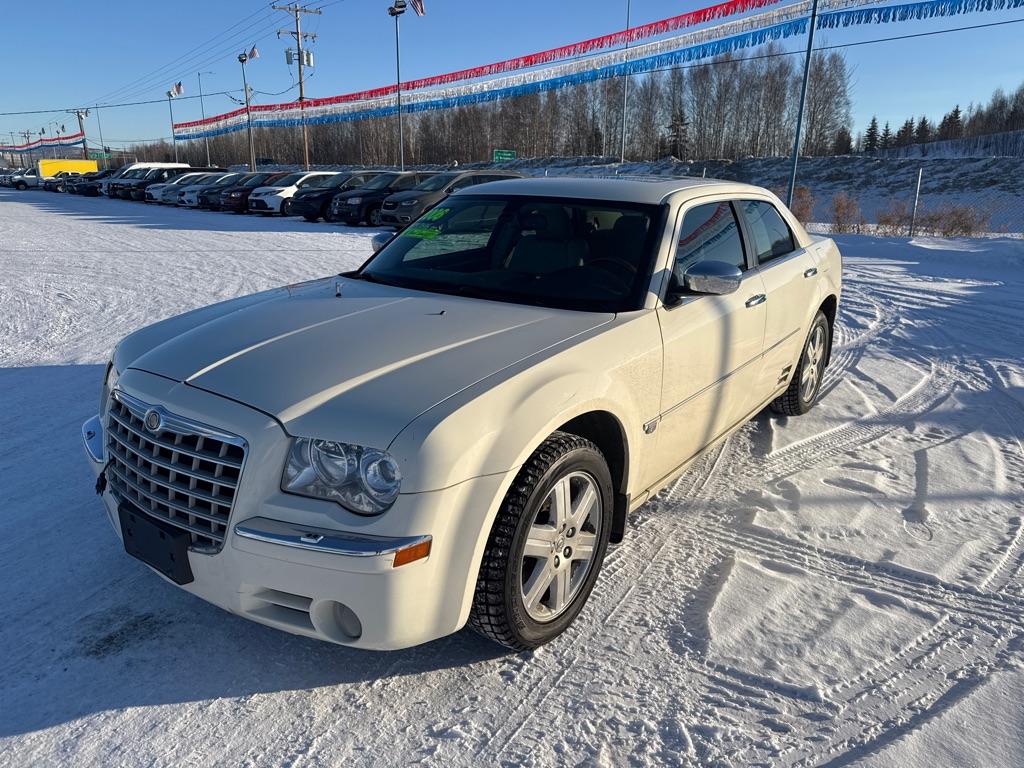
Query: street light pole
point(397, 10)
point(202, 109)
point(800, 111)
point(242, 58)
point(170, 95)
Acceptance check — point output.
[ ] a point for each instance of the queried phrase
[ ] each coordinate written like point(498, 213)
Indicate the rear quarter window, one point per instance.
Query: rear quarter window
point(771, 236)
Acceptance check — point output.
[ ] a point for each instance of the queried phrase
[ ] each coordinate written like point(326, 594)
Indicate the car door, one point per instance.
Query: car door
point(788, 272)
point(712, 344)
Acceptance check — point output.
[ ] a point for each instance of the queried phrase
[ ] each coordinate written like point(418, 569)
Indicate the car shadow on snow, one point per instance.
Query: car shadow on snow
point(89, 629)
point(153, 216)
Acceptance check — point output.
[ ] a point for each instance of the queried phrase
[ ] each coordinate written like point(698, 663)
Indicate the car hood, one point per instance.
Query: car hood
point(271, 190)
point(363, 193)
point(356, 368)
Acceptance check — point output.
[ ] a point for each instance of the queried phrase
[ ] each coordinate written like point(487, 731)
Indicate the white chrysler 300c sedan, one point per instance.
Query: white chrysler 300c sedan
point(456, 431)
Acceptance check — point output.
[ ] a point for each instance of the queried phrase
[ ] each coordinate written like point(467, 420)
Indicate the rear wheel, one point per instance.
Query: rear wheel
point(803, 388)
point(546, 547)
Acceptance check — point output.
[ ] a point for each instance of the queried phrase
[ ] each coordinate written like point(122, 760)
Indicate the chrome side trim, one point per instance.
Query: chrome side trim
point(342, 543)
point(92, 438)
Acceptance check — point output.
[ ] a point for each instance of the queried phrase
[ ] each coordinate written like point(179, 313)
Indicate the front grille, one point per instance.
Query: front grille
point(185, 473)
point(258, 204)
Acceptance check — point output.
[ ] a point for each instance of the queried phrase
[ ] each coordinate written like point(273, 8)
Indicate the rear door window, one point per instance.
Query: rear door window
point(769, 232)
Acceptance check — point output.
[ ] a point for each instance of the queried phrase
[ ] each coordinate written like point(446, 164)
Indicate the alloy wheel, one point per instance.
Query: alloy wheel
point(560, 546)
point(813, 362)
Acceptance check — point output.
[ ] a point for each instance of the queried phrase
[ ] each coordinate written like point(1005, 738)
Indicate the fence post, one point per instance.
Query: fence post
point(917, 197)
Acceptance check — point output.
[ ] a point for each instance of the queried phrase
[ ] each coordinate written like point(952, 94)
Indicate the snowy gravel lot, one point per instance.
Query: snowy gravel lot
point(843, 588)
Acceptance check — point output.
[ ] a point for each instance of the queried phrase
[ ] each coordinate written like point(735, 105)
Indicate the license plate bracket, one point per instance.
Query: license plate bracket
point(159, 545)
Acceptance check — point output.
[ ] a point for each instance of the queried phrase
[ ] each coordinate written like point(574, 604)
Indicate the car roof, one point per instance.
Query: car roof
point(629, 189)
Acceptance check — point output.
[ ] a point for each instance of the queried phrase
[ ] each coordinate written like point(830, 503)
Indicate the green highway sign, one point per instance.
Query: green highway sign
point(504, 155)
point(99, 155)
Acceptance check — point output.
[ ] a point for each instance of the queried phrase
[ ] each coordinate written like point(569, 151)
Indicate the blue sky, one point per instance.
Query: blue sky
point(64, 59)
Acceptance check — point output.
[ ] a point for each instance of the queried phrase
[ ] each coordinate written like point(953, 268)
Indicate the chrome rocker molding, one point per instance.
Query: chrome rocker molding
point(322, 539)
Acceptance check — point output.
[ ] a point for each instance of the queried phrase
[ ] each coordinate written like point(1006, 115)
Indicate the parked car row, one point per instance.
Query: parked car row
point(388, 198)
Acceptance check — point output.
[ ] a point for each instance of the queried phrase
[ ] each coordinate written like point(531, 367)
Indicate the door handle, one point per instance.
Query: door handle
point(810, 272)
point(753, 301)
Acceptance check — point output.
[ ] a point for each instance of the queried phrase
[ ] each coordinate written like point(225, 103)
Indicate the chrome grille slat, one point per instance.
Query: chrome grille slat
point(171, 467)
point(178, 490)
point(181, 449)
point(186, 474)
point(205, 533)
point(221, 520)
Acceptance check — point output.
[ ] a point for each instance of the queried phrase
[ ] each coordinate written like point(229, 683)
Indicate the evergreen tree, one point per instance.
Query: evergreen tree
point(871, 136)
point(923, 132)
point(843, 144)
point(679, 133)
point(905, 135)
point(885, 140)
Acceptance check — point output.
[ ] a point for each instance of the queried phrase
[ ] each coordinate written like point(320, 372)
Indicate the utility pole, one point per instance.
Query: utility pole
point(803, 98)
point(296, 10)
point(242, 58)
point(202, 108)
point(28, 136)
point(81, 114)
point(103, 147)
point(625, 88)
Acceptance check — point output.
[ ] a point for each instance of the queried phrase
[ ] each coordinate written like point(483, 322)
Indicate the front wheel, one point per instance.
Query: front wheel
point(546, 547)
point(803, 388)
point(372, 216)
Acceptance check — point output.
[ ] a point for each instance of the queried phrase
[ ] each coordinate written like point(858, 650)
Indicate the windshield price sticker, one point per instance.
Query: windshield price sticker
point(431, 230)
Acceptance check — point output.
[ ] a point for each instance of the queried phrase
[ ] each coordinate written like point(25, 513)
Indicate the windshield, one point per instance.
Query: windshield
point(231, 178)
point(289, 180)
point(435, 183)
point(564, 253)
point(256, 179)
point(186, 178)
point(383, 181)
point(325, 181)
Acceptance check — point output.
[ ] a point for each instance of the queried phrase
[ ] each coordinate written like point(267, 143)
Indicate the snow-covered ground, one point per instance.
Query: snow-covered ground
point(842, 588)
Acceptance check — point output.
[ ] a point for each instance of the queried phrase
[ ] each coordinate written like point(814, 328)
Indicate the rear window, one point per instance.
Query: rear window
point(769, 231)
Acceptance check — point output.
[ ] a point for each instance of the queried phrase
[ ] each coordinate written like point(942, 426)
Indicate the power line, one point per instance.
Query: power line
point(162, 71)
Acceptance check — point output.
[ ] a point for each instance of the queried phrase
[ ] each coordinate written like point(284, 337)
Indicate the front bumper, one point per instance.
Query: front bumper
point(270, 204)
point(309, 567)
point(397, 216)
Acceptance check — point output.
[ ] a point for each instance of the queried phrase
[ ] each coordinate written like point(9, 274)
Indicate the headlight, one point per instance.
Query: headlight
point(363, 480)
point(409, 203)
point(234, 194)
point(354, 200)
point(109, 382)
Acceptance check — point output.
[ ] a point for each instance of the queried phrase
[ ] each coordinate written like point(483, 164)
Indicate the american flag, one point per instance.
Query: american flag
point(417, 5)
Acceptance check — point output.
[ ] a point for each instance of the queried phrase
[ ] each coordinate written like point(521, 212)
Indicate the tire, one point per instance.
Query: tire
point(21, 185)
point(372, 216)
point(502, 608)
point(805, 385)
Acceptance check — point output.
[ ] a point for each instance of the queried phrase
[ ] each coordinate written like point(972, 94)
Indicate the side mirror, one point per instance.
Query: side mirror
point(381, 239)
point(708, 277)
point(714, 277)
